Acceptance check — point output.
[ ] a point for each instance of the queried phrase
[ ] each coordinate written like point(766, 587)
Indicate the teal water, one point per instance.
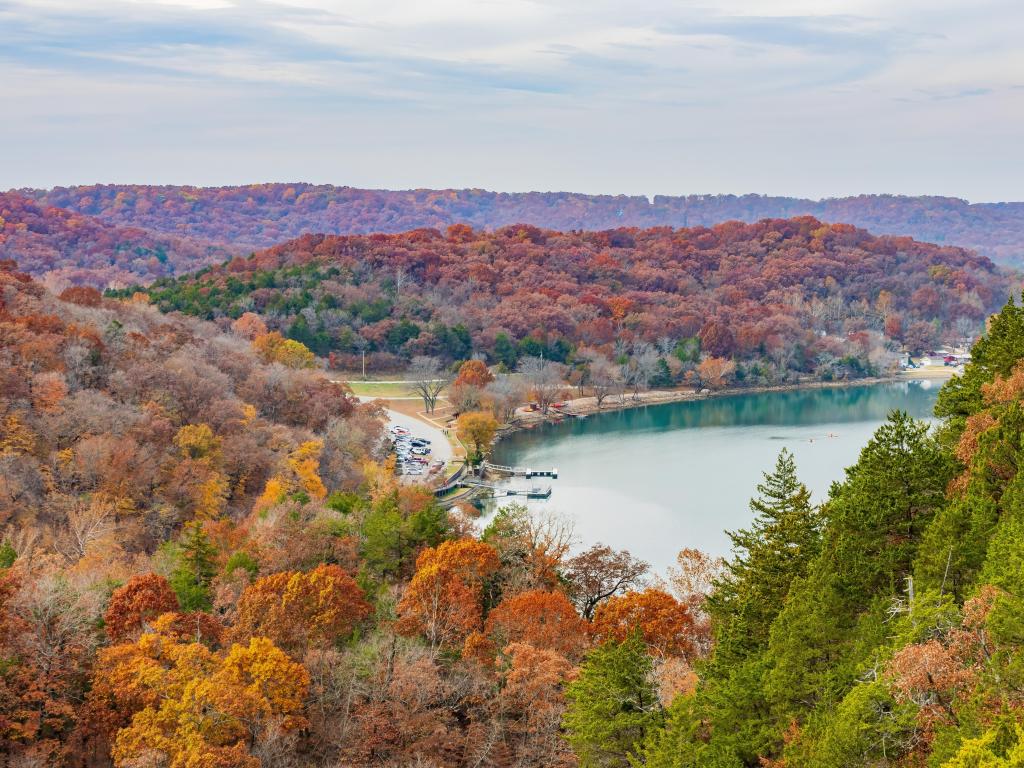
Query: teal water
point(656, 479)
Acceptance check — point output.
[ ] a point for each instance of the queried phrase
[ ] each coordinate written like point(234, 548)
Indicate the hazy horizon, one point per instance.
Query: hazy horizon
point(650, 197)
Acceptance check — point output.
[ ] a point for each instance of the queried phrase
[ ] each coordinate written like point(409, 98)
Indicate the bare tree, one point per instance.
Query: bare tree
point(666, 346)
point(580, 376)
point(599, 573)
point(545, 379)
point(401, 278)
point(605, 378)
point(89, 523)
point(966, 330)
point(505, 393)
point(428, 378)
point(641, 367)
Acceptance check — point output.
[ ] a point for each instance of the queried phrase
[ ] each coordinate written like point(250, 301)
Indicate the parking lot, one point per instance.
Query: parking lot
point(421, 451)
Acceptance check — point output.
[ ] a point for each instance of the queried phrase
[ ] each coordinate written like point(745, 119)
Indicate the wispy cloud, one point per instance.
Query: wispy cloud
point(646, 96)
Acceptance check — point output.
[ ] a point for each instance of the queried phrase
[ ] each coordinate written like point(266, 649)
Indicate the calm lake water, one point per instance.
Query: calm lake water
point(656, 479)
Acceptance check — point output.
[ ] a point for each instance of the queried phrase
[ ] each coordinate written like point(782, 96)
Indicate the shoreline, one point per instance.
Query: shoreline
point(586, 406)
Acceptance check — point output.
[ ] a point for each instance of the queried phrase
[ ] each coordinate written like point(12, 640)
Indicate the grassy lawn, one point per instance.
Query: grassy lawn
point(379, 389)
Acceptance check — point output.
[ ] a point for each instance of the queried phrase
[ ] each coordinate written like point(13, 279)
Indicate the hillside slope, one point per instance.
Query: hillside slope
point(70, 248)
point(884, 627)
point(781, 296)
point(94, 395)
point(260, 215)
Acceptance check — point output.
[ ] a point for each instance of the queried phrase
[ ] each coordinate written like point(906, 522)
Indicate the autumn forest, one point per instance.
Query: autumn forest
point(110, 235)
point(207, 559)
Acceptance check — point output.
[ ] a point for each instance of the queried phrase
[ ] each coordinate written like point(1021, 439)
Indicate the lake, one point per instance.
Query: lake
point(659, 478)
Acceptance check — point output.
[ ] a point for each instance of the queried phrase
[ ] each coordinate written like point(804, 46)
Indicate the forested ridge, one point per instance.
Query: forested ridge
point(781, 297)
point(68, 248)
point(260, 215)
point(207, 561)
point(114, 235)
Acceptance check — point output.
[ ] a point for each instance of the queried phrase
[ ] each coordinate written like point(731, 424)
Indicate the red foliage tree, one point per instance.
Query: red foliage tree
point(140, 600)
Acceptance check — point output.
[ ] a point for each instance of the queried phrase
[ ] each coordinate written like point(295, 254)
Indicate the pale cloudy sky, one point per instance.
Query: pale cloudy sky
point(800, 97)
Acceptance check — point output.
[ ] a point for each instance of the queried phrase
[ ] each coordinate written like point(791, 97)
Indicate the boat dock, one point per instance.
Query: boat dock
point(520, 471)
point(533, 492)
point(462, 486)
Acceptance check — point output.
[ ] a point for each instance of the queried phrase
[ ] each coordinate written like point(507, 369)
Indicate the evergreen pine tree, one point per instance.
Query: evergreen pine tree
point(195, 570)
point(995, 353)
point(612, 704)
point(874, 521)
point(778, 546)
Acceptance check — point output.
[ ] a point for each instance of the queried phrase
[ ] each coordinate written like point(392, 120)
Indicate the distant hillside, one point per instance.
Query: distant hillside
point(263, 214)
point(781, 297)
point(71, 248)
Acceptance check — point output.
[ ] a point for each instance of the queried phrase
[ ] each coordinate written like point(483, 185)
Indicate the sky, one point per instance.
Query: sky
point(811, 98)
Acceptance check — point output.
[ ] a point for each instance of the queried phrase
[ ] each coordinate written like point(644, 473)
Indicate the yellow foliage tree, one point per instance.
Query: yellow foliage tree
point(190, 706)
point(197, 441)
point(15, 436)
point(201, 450)
point(476, 430)
point(275, 348)
point(380, 478)
point(301, 473)
point(273, 494)
point(304, 462)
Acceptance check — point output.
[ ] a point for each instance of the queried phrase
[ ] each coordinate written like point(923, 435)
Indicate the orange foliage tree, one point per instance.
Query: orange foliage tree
point(444, 599)
point(473, 373)
point(714, 372)
point(249, 325)
point(299, 610)
point(544, 619)
point(665, 624)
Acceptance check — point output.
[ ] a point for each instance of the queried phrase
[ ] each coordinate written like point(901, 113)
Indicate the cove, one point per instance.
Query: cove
point(659, 478)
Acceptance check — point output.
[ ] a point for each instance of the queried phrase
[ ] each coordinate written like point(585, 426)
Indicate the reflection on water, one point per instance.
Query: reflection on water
point(656, 479)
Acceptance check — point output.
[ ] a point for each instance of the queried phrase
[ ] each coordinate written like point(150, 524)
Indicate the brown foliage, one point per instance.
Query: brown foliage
point(599, 573)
